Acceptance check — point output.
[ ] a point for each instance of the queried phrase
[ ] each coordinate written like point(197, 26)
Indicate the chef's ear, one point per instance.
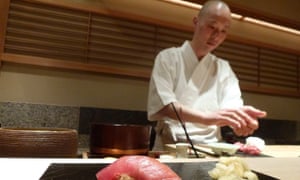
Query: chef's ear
point(195, 21)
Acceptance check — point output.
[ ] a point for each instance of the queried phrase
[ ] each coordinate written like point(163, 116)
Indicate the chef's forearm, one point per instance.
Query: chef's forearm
point(185, 113)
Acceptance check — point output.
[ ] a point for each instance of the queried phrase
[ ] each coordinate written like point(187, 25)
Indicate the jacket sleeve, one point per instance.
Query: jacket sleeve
point(161, 87)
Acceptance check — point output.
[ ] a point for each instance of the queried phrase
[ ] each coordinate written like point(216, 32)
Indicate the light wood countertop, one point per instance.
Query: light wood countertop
point(282, 151)
point(281, 168)
point(285, 164)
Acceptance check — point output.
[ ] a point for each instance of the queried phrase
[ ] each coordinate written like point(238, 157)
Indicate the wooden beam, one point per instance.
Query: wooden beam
point(4, 9)
point(54, 63)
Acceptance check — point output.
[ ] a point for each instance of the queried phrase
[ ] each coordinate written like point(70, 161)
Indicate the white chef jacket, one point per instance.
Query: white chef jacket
point(206, 85)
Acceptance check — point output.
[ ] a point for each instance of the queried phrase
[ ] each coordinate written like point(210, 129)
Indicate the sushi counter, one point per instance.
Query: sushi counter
point(284, 164)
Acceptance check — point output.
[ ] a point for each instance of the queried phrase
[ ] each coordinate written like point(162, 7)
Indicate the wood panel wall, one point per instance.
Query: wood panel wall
point(60, 37)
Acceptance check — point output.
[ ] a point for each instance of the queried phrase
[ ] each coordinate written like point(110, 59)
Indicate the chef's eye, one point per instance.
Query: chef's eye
point(212, 27)
point(224, 31)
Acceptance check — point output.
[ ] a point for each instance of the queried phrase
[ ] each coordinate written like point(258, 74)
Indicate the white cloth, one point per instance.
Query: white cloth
point(206, 85)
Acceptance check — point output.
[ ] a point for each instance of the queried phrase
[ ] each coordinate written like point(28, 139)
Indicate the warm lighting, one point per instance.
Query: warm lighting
point(237, 16)
point(185, 3)
point(274, 26)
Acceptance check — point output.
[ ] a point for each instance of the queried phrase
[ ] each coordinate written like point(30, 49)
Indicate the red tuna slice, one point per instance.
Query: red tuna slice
point(248, 149)
point(137, 167)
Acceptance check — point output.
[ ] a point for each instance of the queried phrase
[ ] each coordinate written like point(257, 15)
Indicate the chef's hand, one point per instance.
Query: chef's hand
point(251, 118)
point(243, 120)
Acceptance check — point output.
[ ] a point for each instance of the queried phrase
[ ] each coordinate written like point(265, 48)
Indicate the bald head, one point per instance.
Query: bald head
point(210, 27)
point(215, 7)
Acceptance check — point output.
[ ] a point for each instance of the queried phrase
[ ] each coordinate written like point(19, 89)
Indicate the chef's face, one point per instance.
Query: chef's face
point(210, 31)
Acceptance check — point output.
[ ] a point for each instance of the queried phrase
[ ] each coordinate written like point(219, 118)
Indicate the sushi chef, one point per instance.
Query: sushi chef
point(191, 84)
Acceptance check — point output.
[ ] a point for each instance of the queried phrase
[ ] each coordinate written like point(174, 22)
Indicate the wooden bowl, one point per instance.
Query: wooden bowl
point(38, 142)
point(119, 139)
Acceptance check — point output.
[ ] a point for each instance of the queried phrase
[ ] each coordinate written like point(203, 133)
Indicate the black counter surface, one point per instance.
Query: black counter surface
point(187, 171)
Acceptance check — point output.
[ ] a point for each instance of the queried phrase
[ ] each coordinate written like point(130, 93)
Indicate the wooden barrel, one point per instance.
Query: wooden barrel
point(119, 139)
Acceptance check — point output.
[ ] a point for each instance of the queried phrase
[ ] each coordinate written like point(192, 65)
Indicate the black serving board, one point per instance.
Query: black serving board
point(187, 171)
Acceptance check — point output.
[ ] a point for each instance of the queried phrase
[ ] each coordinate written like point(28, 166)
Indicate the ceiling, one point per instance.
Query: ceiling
point(280, 12)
